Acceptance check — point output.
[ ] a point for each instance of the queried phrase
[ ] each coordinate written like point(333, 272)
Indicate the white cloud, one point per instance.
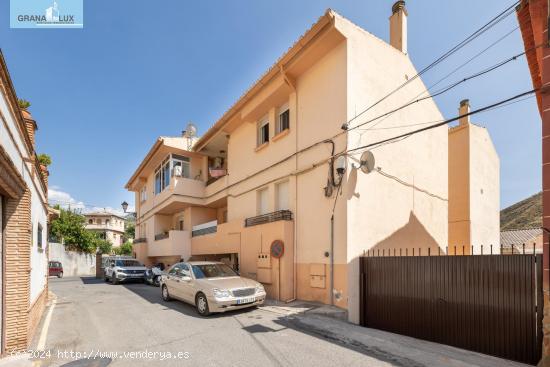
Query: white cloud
point(56, 196)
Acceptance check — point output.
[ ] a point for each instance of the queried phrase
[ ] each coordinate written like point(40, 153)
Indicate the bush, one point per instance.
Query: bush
point(44, 159)
point(124, 249)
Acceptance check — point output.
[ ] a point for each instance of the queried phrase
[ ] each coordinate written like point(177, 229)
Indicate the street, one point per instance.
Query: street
point(98, 324)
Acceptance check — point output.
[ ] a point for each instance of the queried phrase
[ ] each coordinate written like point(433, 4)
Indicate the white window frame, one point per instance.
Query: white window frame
point(279, 125)
point(259, 200)
point(143, 194)
point(278, 186)
point(261, 124)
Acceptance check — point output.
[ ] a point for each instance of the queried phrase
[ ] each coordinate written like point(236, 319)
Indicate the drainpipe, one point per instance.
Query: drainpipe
point(332, 258)
point(292, 86)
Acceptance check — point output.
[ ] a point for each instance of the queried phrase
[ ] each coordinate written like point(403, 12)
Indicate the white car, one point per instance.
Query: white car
point(119, 269)
point(211, 287)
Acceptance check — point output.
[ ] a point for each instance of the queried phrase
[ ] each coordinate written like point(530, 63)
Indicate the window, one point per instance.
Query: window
point(90, 221)
point(262, 202)
point(107, 221)
point(263, 131)
point(98, 221)
point(181, 166)
point(284, 120)
point(39, 236)
point(180, 225)
point(143, 193)
point(282, 195)
point(173, 165)
point(162, 176)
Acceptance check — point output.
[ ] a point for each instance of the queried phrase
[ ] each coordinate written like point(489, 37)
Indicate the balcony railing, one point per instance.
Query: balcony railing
point(205, 228)
point(162, 236)
point(140, 240)
point(268, 218)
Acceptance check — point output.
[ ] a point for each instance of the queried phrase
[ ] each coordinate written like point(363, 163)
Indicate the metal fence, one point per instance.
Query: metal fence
point(490, 304)
point(267, 218)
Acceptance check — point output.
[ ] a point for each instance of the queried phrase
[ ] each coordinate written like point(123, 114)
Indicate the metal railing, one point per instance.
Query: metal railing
point(203, 231)
point(140, 240)
point(523, 249)
point(161, 236)
point(268, 218)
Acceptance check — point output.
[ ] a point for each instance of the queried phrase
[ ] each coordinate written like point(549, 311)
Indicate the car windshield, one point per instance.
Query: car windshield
point(127, 263)
point(213, 271)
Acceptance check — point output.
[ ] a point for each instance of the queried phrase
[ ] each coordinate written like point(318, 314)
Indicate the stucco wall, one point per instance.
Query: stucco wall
point(403, 204)
point(74, 263)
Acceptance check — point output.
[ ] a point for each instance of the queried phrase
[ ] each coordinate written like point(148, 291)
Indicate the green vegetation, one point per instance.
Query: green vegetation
point(70, 230)
point(23, 104)
point(524, 214)
point(124, 249)
point(44, 159)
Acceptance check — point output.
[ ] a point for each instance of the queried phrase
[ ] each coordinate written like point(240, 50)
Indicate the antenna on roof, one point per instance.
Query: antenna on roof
point(190, 132)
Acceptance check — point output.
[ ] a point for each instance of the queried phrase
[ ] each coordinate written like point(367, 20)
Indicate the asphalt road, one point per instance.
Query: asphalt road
point(109, 322)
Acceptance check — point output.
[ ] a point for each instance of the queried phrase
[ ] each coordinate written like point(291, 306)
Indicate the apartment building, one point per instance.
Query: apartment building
point(23, 222)
point(109, 226)
point(278, 188)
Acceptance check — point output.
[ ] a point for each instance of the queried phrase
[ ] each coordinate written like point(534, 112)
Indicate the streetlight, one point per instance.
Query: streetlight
point(124, 206)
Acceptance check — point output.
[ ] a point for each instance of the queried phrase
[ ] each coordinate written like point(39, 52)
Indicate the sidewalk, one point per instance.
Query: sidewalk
point(329, 323)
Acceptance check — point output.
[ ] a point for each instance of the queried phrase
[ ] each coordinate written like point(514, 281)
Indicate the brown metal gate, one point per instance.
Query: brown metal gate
point(490, 304)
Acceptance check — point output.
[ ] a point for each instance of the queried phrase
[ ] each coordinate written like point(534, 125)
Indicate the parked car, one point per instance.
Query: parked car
point(119, 269)
point(211, 287)
point(55, 269)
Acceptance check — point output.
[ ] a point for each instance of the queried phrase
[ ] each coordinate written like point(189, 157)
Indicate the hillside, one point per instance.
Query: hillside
point(524, 214)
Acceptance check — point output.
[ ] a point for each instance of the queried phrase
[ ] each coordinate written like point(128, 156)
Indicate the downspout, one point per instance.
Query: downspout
point(292, 86)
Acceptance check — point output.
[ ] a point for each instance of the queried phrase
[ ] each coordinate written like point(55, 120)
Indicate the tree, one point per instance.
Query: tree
point(130, 231)
point(104, 246)
point(44, 159)
point(124, 249)
point(23, 104)
point(70, 229)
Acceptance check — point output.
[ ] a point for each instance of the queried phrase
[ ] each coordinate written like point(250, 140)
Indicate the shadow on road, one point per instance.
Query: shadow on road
point(153, 295)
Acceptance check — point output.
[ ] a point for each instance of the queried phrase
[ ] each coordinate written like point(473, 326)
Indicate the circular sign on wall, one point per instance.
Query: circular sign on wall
point(277, 249)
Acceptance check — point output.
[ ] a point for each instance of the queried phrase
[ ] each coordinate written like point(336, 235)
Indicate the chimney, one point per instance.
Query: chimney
point(30, 125)
point(398, 26)
point(464, 109)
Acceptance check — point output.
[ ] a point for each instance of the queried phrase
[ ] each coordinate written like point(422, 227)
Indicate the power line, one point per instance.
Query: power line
point(447, 88)
point(497, 19)
point(444, 122)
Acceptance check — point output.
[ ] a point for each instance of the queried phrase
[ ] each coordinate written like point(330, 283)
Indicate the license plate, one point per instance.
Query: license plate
point(246, 300)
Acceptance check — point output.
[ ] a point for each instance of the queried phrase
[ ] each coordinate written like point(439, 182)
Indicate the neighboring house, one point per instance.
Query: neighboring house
point(521, 241)
point(474, 188)
point(264, 173)
point(23, 222)
point(109, 226)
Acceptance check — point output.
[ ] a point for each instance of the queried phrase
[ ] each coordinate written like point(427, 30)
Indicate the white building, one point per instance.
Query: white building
point(109, 226)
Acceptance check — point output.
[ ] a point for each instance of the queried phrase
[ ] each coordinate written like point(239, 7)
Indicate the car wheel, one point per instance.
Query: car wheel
point(165, 294)
point(106, 278)
point(202, 305)
point(60, 275)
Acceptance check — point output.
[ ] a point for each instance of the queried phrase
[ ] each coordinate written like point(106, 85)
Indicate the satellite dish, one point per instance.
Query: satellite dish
point(367, 161)
point(190, 130)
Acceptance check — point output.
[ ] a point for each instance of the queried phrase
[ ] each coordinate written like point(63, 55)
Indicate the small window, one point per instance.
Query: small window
point(98, 221)
point(263, 131)
point(107, 221)
point(90, 221)
point(284, 120)
point(39, 236)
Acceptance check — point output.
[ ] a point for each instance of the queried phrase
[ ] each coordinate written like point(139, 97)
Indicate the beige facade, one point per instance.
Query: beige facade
point(266, 171)
point(474, 188)
point(23, 223)
point(109, 226)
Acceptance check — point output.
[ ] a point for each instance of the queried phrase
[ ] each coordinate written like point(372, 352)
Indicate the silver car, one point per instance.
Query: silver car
point(211, 287)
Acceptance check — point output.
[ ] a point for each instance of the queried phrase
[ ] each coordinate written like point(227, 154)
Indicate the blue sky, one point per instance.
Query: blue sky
point(140, 69)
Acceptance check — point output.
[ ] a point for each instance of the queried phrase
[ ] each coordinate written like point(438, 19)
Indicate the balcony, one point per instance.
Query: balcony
point(268, 218)
point(172, 243)
point(181, 190)
point(205, 228)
